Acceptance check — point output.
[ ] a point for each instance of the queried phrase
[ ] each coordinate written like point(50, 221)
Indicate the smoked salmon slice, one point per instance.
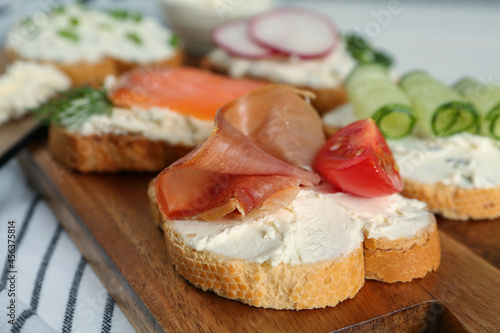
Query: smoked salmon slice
point(185, 90)
point(260, 151)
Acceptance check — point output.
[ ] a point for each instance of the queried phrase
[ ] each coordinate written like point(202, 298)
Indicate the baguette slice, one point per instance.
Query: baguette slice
point(303, 286)
point(110, 152)
point(454, 202)
point(404, 259)
point(326, 98)
point(93, 74)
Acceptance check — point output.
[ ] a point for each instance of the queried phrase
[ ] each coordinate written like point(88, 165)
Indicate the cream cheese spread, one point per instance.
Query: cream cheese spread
point(326, 72)
point(27, 85)
point(213, 4)
point(464, 160)
point(155, 124)
point(317, 226)
point(74, 34)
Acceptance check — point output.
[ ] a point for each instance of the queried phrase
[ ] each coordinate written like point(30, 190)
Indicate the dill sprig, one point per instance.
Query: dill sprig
point(361, 50)
point(71, 109)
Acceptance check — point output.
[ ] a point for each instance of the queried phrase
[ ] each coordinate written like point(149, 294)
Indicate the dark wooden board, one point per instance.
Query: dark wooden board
point(15, 134)
point(108, 218)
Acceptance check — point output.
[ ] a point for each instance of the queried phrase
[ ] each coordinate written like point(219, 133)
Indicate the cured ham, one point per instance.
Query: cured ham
point(186, 90)
point(260, 151)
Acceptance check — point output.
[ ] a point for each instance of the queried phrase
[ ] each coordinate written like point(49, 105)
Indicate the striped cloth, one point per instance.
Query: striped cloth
point(53, 287)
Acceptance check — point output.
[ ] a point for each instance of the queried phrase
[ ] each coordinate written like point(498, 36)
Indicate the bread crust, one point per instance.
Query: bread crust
point(404, 259)
point(261, 285)
point(456, 203)
point(326, 98)
point(304, 286)
point(110, 152)
point(93, 74)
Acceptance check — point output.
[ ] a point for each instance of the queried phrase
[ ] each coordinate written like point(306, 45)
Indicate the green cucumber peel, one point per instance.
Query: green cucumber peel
point(493, 121)
point(395, 109)
point(362, 66)
point(410, 74)
point(452, 113)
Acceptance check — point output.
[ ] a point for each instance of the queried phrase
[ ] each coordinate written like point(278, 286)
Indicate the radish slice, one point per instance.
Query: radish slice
point(233, 38)
point(295, 31)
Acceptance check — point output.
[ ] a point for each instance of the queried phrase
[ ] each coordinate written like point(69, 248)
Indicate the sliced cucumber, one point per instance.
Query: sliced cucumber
point(441, 110)
point(486, 99)
point(374, 95)
point(493, 121)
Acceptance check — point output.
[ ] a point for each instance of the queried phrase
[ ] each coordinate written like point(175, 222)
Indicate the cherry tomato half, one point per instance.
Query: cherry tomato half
point(358, 160)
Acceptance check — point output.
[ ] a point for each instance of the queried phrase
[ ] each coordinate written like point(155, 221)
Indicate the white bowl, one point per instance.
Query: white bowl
point(193, 20)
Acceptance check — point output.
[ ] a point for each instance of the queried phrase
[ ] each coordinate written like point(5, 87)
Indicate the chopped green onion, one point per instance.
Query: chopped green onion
point(174, 40)
point(69, 35)
point(58, 10)
point(74, 21)
point(121, 14)
point(136, 17)
point(133, 37)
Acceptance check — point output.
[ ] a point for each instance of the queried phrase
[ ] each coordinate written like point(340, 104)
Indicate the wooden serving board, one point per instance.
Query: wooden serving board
point(108, 218)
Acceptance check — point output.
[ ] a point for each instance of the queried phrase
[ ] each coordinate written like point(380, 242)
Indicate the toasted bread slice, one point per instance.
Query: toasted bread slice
point(404, 259)
point(326, 98)
point(110, 152)
point(454, 202)
point(93, 74)
point(303, 286)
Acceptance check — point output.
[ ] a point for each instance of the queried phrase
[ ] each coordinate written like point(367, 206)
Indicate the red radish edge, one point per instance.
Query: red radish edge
point(220, 41)
point(254, 21)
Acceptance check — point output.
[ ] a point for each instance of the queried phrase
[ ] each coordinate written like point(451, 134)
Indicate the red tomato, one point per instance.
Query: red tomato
point(358, 160)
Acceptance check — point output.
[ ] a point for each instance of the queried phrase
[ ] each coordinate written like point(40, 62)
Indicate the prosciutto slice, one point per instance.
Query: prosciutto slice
point(260, 151)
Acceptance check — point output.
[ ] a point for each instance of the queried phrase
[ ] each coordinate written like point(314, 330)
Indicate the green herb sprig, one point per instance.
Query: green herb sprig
point(122, 15)
point(174, 41)
point(363, 52)
point(74, 21)
point(73, 108)
point(69, 35)
point(134, 38)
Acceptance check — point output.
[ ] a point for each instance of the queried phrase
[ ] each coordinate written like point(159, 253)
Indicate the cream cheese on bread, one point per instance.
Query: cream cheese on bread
point(26, 85)
point(326, 72)
point(155, 124)
point(317, 226)
point(464, 160)
point(75, 34)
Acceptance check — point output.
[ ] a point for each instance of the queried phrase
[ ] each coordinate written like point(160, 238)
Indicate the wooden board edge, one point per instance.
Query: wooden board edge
point(16, 140)
point(116, 284)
